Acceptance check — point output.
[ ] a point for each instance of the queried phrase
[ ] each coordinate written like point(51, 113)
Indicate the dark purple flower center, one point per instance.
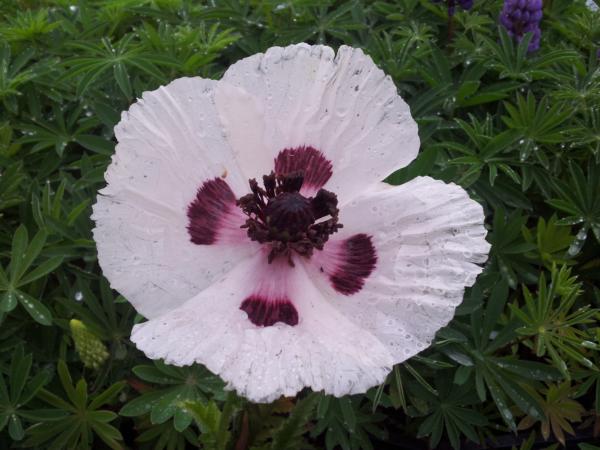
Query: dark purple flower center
point(289, 214)
point(278, 214)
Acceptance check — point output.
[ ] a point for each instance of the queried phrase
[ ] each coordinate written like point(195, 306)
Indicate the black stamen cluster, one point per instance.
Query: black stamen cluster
point(279, 215)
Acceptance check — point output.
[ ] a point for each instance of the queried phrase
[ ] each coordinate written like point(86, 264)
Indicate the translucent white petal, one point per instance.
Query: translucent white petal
point(243, 119)
point(342, 105)
point(324, 351)
point(170, 142)
point(429, 238)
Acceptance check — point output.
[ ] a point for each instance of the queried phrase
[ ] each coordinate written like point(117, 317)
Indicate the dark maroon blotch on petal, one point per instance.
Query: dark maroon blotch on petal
point(264, 313)
point(213, 201)
point(357, 261)
point(316, 169)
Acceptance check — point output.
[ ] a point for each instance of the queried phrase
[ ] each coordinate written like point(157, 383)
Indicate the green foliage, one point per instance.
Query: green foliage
point(480, 352)
point(178, 386)
point(552, 241)
point(13, 74)
point(213, 423)
point(347, 423)
point(164, 436)
point(560, 411)
point(290, 434)
point(558, 329)
point(520, 131)
point(28, 26)
point(76, 418)
point(579, 198)
point(18, 274)
point(16, 391)
point(449, 413)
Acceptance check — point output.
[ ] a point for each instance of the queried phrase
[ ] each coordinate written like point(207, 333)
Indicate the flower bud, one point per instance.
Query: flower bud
point(519, 17)
point(91, 350)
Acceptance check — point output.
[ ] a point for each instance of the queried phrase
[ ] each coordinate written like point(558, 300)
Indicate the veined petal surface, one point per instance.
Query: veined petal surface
point(429, 239)
point(324, 350)
point(170, 142)
point(342, 105)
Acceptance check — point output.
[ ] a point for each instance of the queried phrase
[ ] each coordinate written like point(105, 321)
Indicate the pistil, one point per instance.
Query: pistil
point(287, 221)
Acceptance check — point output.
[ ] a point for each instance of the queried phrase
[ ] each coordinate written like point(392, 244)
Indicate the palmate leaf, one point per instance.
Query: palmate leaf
point(106, 315)
point(512, 60)
point(450, 414)
point(11, 186)
point(465, 90)
point(560, 411)
point(586, 135)
point(549, 319)
point(21, 273)
point(588, 384)
point(17, 389)
point(28, 26)
point(195, 48)
point(214, 423)
point(552, 241)
point(324, 20)
point(62, 214)
point(209, 419)
point(509, 248)
point(403, 375)
point(288, 435)
point(347, 422)
point(13, 75)
point(485, 151)
point(116, 58)
point(182, 384)
point(578, 84)
point(165, 436)
point(62, 131)
point(579, 199)
point(477, 345)
point(397, 52)
point(76, 418)
point(538, 124)
point(503, 194)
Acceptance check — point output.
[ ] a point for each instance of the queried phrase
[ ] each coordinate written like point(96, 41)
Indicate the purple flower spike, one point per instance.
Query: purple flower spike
point(522, 16)
point(464, 4)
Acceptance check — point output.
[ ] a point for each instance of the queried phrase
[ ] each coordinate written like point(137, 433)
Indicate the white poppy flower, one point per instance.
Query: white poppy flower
point(317, 274)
